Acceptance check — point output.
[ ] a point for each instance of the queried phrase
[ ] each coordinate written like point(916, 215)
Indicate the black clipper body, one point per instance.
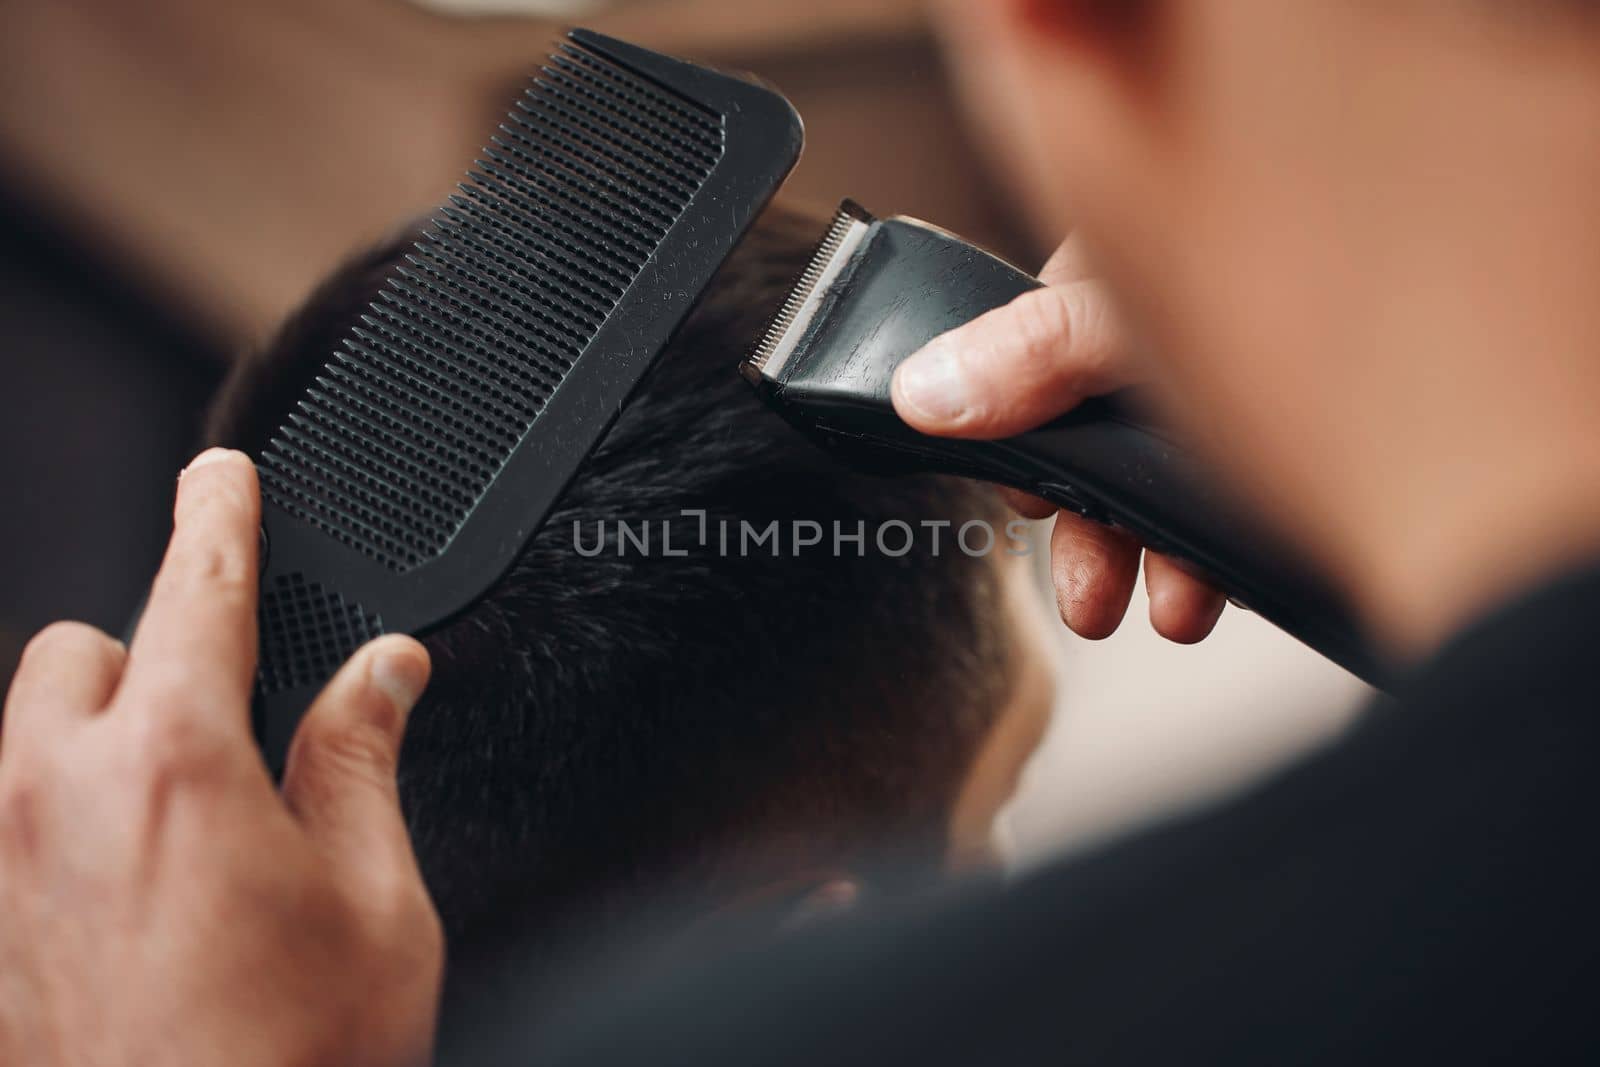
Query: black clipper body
point(878, 290)
point(434, 444)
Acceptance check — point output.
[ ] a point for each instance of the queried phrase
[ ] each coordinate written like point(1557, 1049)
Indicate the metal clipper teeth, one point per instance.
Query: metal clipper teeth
point(849, 226)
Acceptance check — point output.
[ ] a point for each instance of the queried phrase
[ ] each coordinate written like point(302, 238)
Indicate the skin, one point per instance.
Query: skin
point(1358, 242)
point(781, 863)
point(138, 823)
point(122, 769)
point(997, 768)
point(1021, 365)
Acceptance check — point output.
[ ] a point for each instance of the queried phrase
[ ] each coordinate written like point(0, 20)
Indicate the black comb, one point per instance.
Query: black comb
point(433, 445)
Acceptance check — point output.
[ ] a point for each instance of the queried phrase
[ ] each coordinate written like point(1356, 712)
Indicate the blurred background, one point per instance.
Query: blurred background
point(175, 175)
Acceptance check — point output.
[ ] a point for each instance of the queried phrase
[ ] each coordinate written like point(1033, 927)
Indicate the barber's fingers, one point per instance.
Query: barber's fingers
point(195, 650)
point(1183, 608)
point(1093, 568)
point(67, 674)
point(340, 777)
point(1069, 263)
point(1066, 266)
point(1018, 366)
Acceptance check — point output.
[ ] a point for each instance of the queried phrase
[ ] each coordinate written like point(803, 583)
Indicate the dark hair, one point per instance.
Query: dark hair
point(598, 725)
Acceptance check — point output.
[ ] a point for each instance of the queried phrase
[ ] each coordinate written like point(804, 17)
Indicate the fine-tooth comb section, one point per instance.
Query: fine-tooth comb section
point(409, 424)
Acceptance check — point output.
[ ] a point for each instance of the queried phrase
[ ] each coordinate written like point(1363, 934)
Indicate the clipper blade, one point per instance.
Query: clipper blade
point(794, 318)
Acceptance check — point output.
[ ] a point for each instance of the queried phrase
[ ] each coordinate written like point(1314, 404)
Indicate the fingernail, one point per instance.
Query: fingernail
point(210, 456)
point(401, 676)
point(933, 382)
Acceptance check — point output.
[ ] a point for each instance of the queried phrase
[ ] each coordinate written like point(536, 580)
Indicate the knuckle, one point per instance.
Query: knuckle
point(1080, 309)
point(1045, 325)
point(61, 640)
point(216, 517)
point(357, 746)
point(172, 745)
point(392, 911)
point(1097, 346)
point(223, 568)
point(166, 685)
point(397, 901)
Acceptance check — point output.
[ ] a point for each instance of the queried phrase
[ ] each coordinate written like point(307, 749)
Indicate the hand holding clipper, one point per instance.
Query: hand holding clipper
point(879, 290)
point(1021, 365)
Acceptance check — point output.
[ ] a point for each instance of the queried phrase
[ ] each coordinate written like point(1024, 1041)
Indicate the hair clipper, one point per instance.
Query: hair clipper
point(877, 290)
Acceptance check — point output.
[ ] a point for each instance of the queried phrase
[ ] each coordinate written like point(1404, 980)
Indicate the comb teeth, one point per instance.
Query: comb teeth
point(408, 426)
point(849, 219)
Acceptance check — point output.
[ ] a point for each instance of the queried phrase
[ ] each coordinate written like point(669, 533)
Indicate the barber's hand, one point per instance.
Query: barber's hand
point(1020, 366)
point(160, 901)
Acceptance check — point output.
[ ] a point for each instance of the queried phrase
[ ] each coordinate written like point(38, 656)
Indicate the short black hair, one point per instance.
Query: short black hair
point(598, 725)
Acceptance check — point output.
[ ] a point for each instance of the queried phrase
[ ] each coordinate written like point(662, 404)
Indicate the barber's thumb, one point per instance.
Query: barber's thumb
point(340, 776)
point(1016, 367)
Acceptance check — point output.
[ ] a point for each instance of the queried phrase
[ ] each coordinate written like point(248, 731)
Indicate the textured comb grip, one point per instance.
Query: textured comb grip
point(306, 632)
point(436, 439)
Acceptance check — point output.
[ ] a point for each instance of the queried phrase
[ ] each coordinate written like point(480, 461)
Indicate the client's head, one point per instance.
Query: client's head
point(718, 711)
